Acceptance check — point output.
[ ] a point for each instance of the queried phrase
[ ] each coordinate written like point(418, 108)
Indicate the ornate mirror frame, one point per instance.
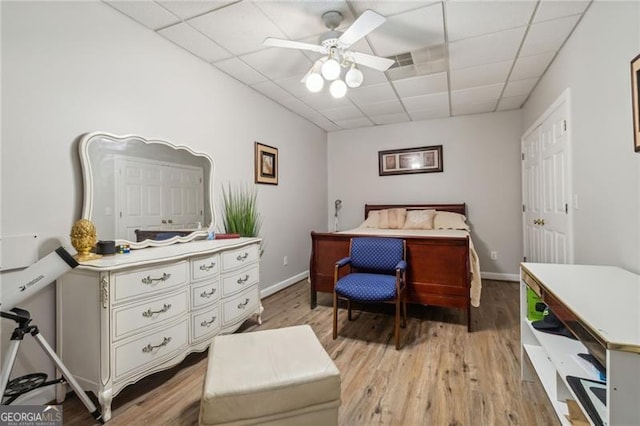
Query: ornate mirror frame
point(100, 152)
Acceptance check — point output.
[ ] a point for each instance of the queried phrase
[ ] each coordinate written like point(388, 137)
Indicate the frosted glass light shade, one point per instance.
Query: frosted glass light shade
point(338, 89)
point(314, 82)
point(354, 77)
point(331, 69)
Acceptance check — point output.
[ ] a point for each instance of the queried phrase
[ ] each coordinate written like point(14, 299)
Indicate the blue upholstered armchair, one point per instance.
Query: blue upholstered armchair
point(377, 275)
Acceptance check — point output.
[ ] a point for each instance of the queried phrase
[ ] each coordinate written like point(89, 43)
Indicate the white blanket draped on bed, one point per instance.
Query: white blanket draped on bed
point(476, 283)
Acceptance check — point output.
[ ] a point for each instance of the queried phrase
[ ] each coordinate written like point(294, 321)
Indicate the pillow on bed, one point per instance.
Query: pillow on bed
point(391, 218)
point(419, 219)
point(373, 220)
point(449, 220)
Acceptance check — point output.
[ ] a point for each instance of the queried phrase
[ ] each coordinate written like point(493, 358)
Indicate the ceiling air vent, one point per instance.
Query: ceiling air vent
point(430, 60)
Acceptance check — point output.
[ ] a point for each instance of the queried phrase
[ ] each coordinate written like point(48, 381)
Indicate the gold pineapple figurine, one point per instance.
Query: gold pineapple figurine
point(83, 239)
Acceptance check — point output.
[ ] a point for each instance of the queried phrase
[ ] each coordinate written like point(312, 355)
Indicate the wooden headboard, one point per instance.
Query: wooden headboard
point(454, 208)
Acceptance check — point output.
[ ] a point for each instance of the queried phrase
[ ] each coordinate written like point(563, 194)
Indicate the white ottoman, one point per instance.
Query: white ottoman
point(271, 377)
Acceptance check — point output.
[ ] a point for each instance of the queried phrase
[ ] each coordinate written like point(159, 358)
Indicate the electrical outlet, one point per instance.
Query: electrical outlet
point(285, 261)
point(494, 255)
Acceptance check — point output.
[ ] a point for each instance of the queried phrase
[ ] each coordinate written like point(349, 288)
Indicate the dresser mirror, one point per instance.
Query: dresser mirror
point(145, 192)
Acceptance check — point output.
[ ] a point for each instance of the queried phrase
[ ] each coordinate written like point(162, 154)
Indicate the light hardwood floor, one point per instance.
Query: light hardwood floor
point(442, 375)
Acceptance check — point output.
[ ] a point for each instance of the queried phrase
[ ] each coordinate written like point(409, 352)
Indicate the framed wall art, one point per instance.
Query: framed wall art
point(426, 159)
point(635, 98)
point(266, 164)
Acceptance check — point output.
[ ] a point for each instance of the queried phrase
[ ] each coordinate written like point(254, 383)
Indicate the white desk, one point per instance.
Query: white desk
point(601, 304)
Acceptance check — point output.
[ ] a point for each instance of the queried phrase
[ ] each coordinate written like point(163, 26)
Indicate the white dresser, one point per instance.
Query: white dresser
point(125, 316)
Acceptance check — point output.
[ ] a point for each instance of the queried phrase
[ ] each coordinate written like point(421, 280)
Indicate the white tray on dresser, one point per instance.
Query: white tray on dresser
point(123, 317)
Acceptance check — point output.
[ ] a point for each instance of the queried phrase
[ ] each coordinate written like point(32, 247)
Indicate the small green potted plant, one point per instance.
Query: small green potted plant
point(239, 210)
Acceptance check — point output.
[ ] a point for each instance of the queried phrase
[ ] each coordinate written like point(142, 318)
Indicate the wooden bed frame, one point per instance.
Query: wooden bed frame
point(438, 273)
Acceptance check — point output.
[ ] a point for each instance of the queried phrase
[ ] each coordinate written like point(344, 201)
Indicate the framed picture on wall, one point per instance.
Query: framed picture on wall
point(266, 159)
point(635, 98)
point(426, 159)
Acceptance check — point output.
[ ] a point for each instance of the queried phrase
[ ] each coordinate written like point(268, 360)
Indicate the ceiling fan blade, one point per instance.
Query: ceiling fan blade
point(375, 62)
point(290, 44)
point(362, 26)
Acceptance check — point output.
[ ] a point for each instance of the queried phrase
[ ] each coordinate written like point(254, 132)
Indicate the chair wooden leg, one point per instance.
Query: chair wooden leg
point(398, 307)
point(335, 315)
point(404, 310)
point(349, 317)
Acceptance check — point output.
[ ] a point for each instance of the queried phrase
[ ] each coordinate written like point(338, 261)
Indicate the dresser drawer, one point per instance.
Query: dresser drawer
point(205, 267)
point(241, 306)
point(205, 294)
point(151, 349)
point(237, 258)
point(143, 281)
point(205, 323)
point(148, 313)
point(232, 283)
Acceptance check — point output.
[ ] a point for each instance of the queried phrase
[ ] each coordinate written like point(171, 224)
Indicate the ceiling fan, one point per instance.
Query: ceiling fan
point(336, 46)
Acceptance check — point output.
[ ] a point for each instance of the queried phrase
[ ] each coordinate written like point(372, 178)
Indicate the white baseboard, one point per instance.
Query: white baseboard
point(283, 284)
point(498, 276)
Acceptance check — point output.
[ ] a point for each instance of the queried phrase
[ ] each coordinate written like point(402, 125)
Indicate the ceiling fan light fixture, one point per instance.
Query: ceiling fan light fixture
point(314, 82)
point(354, 77)
point(331, 69)
point(338, 89)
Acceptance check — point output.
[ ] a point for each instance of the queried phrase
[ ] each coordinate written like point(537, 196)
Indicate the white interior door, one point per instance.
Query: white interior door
point(155, 196)
point(547, 225)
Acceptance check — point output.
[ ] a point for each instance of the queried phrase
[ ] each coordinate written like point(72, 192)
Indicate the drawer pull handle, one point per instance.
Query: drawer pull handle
point(208, 294)
point(149, 313)
point(207, 267)
point(150, 280)
point(243, 257)
point(243, 305)
point(150, 348)
point(243, 280)
point(208, 323)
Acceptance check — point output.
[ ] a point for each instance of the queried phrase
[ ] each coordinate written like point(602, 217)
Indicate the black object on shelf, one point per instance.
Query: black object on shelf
point(592, 396)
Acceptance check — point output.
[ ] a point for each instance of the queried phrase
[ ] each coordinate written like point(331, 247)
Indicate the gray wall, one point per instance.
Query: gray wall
point(481, 156)
point(73, 67)
point(594, 65)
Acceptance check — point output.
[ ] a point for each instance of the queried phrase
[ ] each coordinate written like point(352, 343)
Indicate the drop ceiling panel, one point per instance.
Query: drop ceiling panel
point(440, 112)
point(482, 75)
point(476, 95)
point(513, 102)
point(295, 87)
point(240, 27)
point(487, 49)
point(369, 94)
point(550, 9)
point(409, 31)
point(149, 14)
point(381, 108)
point(302, 19)
point(426, 102)
point(464, 109)
point(548, 36)
point(390, 118)
point(323, 101)
point(372, 77)
point(188, 9)
point(188, 38)
point(299, 107)
point(471, 19)
point(388, 8)
point(240, 71)
point(277, 63)
point(354, 123)
point(342, 113)
point(423, 85)
point(531, 66)
point(520, 87)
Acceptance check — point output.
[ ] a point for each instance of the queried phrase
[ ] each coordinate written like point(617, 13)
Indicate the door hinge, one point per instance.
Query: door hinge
point(523, 208)
point(120, 215)
point(564, 124)
point(523, 156)
point(524, 259)
point(566, 208)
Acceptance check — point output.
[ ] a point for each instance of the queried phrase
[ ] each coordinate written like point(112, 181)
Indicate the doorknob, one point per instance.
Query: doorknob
point(536, 222)
point(541, 222)
point(164, 221)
